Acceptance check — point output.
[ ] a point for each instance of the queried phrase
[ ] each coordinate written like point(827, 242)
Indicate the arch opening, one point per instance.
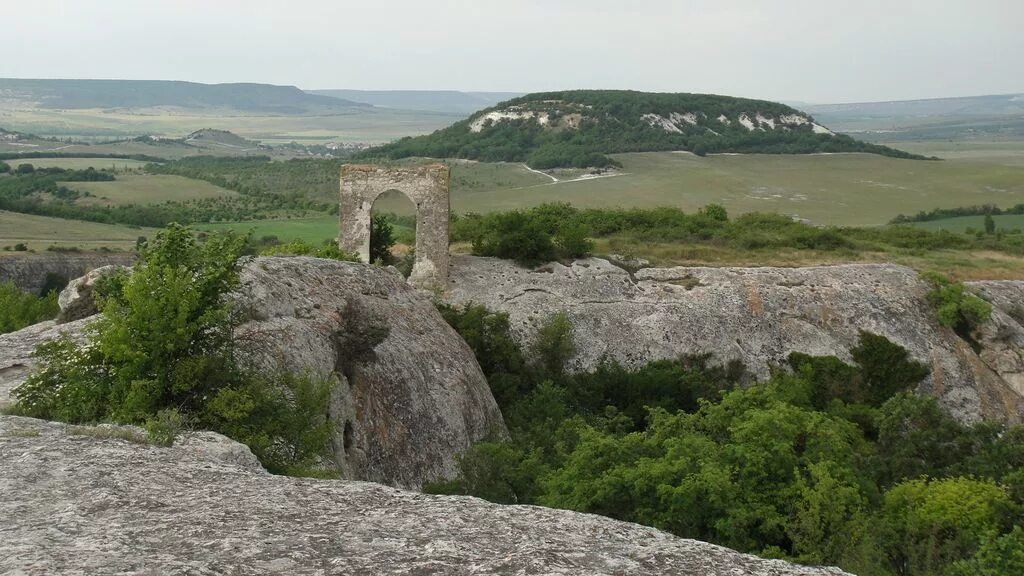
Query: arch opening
point(393, 231)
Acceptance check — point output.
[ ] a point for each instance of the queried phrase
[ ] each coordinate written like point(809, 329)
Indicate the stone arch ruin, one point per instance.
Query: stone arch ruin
point(426, 186)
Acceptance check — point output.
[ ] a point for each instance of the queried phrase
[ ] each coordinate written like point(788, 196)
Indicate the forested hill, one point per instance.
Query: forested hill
point(79, 94)
point(579, 128)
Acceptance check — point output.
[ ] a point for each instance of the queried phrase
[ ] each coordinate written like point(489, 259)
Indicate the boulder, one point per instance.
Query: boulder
point(755, 315)
point(76, 300)
point(75, 503)
point(409, 394)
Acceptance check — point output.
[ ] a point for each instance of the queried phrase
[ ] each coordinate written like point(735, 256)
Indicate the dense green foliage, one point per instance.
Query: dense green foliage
point(613, 121)
point(382, 239)
point(943, 213)
point(19, 309)
point(294, 184)
point(535, 234)
point(955, 307)
point(165, 343)
point(265, 189)
point(830, 464)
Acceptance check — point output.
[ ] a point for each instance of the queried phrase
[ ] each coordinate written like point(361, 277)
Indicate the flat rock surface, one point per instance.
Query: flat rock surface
point(756, 315)
point(77, 504)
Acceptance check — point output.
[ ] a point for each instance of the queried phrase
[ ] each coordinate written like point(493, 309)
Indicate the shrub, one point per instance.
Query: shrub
point(329, 250)
point(955, 307)
point(715, 212)
point(382, 239)
point(572, 241)
point(19, 309)
point(554, 345)
point(928, 524)
point(996, 557)
point(163, 352)
point(515, 236)
point(163, 429)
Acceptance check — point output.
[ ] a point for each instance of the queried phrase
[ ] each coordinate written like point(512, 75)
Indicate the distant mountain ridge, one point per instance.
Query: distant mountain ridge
point(991, 116)
point(989, 105)
point(428, 100)
point(580, 128)
point(250, 97)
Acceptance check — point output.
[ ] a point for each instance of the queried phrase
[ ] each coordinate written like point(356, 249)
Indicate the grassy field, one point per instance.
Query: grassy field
point(80, 163)
point(371, 125)
point(841, 189)
point(308, 229)
point(962, 223)
point(1007, 152)
point(38, 232)
point(315, 230)
point(147, 189)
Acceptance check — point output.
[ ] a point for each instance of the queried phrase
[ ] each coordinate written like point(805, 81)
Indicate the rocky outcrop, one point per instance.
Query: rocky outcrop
point(76, 503)
point(1002, 337)
point(756, 315)
point(77, 300)
point(409, 394)
point(32, 272)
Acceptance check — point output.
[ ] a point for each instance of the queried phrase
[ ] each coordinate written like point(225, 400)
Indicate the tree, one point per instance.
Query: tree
point(990, 224)
point(996, 557)
point(928, 524)
point(382, 238)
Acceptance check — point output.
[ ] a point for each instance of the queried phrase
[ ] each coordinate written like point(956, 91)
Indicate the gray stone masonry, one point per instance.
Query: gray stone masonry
point(427, 187)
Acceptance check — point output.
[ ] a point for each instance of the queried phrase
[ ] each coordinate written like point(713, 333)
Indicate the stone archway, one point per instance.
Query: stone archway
point(427, 187)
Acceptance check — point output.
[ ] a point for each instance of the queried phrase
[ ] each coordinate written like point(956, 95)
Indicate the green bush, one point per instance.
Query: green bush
point(329, 250)
point(165, 343)
point(20, 309)
point(929, 524)
point(814, 466)
point(164, 428)
point(954, 305)
point(382, 239)
point(1000, 556)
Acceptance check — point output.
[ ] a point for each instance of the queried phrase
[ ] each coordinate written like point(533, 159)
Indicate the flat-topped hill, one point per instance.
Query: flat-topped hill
point(579, 128)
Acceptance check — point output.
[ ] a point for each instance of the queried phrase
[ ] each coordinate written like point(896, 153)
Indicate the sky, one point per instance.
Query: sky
point(817, 51)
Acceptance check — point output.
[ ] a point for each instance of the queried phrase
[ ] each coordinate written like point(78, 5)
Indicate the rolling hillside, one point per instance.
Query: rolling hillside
point(428, 100)
point(580, 128)
point(87, 94)
point(994, 117)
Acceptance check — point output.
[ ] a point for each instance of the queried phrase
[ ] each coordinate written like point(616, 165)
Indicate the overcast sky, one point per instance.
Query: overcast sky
point(805, 50)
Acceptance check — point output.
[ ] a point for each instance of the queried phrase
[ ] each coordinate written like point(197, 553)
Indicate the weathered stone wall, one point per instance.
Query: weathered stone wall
point(427, 187)
point(758, 316)
point(28, 271)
